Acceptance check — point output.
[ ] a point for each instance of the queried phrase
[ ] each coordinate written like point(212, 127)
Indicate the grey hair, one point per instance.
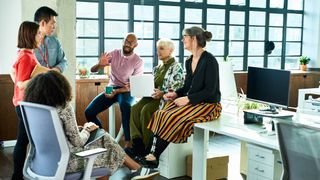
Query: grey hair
point(201, 35)
point(168, 43)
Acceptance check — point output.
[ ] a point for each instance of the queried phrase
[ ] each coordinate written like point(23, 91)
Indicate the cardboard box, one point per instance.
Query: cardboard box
point(217, 166)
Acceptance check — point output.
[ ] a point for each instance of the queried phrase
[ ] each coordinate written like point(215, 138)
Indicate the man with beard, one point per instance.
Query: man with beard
point(124, 63)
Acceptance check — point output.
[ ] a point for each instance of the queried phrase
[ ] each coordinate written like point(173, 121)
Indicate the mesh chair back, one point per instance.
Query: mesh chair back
point(299, 148)
point(47, 139)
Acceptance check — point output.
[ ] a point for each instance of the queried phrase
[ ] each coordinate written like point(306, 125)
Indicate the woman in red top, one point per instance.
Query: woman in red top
point(28, 39)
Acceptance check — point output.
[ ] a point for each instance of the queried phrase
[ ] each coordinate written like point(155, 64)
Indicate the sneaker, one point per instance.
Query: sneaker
point(143, 173)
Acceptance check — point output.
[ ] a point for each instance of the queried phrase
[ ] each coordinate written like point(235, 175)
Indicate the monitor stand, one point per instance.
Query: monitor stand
point(270, 110)
point(256, 116)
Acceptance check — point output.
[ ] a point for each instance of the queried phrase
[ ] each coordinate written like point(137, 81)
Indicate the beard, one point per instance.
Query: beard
point(127, 50)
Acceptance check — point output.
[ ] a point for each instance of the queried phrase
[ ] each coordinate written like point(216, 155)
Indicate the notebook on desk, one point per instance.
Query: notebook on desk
point(142, 85)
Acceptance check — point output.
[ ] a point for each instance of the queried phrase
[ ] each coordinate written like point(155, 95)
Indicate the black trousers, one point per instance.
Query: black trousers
point(19, 153)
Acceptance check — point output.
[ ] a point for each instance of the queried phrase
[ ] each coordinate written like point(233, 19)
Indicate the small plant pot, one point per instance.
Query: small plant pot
point(303, 67)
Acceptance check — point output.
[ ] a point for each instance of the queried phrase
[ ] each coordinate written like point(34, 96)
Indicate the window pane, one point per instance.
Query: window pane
point(294, 20)
point(277, 49)
point(274, 62)
point(112, 10)
point(257, 18)
point(115, 28)
point(216, 16)
point(193, 15)
point(176, 49)
point(148, 64)
point(255, 61)
point(276, 4)
point(295, 4)
point(171, 0)
point(169, 13)
point(112, 44)
point(86, 62)
point(217, 31)
point(291, 63)
point(258, 3)
point(236, 17)
point(219, 2)
point(143, 29)
point(87, 47)
point(145, 48)
point(216, 48)
point(196, 1)
point(236, 48)
point(169, 30)
point(293, 48)
point(237, 63)
point(87, 28)
point(256, 33)
point(276, 20)
point(236, 33)
point(188, 25)
point(143, 12)
point(256, 48)
point(87, 10)
point(293, 34)
point(275, 34)
point(238, 2)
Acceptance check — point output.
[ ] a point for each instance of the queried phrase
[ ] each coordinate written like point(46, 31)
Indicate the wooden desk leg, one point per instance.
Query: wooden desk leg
point(199, 154)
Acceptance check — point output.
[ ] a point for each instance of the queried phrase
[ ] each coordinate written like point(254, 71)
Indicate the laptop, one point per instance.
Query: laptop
point(95, 135)
point(142, 85)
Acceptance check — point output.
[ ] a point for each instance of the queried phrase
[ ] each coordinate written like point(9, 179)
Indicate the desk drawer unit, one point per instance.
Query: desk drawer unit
point(263, 163)
point(260, 154)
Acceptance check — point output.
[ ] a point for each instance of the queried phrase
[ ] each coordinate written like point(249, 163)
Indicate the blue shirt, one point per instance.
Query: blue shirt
point(55, 54)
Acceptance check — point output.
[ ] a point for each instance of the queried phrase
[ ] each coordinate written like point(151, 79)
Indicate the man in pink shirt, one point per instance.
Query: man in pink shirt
point(124, 63)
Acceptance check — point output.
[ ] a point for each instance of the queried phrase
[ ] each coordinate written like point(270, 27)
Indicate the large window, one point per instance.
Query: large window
point(240, 29)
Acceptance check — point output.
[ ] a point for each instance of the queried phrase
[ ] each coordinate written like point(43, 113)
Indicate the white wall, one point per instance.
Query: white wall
point(10, 18)
point(311, 32)
point(13, 12)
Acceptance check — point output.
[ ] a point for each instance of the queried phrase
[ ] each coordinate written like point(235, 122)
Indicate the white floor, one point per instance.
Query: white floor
point(218, 144)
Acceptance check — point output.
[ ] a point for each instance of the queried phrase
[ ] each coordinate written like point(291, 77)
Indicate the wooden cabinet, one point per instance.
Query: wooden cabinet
point(302, 80)
point(8, 116)
point(86, 91)
point(299, 80)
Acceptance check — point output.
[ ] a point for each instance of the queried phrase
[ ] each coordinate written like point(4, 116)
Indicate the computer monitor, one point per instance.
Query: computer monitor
point(269, 86)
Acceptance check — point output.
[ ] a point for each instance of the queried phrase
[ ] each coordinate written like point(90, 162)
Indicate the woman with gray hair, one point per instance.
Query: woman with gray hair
point(197, 101)
point(167, 76)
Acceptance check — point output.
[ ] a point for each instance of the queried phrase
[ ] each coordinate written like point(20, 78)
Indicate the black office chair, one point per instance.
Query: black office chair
point(300, 150)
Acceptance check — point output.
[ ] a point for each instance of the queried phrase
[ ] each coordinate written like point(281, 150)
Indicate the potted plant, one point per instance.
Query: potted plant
point(304, 60)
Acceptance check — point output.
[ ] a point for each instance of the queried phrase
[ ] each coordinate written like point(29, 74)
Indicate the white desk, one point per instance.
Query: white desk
point(228, 125)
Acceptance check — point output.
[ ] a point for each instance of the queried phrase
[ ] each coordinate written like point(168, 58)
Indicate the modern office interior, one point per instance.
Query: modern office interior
point(243, 143)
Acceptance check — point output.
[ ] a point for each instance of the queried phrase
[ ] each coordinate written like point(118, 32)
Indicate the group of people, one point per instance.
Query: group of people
point(148, 129)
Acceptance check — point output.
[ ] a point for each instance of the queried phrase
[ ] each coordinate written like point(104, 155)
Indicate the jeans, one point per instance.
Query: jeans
point(19, 152)
point(101, 103)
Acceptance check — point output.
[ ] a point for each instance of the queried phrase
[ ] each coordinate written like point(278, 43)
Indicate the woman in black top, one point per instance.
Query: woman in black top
point(197, 101)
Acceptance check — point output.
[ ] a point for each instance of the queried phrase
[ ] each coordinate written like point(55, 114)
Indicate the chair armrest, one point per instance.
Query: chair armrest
point(91, 155)
point(91, 152)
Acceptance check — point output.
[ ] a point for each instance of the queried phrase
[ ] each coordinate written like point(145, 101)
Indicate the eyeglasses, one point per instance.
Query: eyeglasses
point(129, 43)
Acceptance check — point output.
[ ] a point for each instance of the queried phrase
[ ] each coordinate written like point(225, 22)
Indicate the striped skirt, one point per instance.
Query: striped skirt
point(175, 124)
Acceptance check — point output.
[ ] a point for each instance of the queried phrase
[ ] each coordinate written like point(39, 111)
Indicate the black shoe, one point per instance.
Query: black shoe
point(145, 163)
point(143, 173)
point(152, 164)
